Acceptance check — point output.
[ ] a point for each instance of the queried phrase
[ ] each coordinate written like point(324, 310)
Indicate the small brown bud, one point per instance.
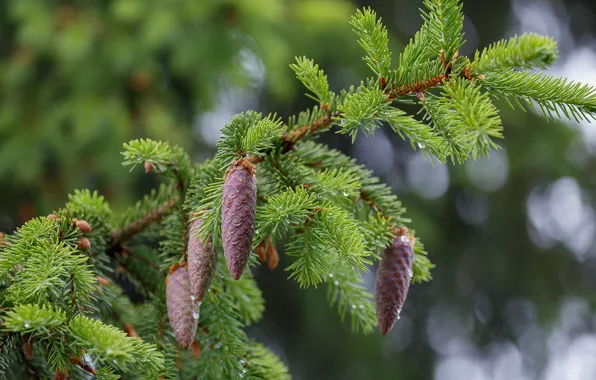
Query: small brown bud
point(261, 252)
point(148, 167)
point(60, 375)
point(393, 279)
point(272, 256)
point(183, 313)
point(238, 215)
point(84, 243)
point(130, 330)
point(53, 217)
point(83, 225)
point(196, 350)
point(103, 281)
point(27, 347)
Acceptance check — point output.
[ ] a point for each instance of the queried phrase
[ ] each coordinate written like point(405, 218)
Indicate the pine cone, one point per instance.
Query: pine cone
point(238, 215)
point(201, 263)
point(393, 280)
point(182, 312)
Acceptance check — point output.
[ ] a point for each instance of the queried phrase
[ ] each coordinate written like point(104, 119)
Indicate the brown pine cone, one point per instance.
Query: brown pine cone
point(202, 261)
point(393, 280)
point(182, 312)
point(238, 215)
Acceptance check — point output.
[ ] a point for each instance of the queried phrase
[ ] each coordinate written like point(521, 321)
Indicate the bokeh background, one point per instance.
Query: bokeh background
point(513, 236)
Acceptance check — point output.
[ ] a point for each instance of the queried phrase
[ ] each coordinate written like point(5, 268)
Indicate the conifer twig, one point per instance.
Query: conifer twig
point(289, 139)
point(139, 225)
point(309, 129)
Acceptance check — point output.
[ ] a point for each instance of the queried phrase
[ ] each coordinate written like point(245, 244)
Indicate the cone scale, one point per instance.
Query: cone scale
point(238, 215)
point(202, 261)
point(393, 280)
point(182, 311)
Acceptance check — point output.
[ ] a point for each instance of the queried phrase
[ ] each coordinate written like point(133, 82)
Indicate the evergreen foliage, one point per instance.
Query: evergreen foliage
point(61, 284)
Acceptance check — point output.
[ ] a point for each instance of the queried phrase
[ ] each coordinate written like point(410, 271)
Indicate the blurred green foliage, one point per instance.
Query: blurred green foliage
point(79, 78)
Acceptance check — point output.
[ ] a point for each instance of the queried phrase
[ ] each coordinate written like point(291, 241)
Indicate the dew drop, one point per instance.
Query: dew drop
point(195, 314)
point(361, 306)
point(346, 193)
point(421, 146)
point(410, 273)
point(217, 346)
point(353, 306)
point(242, 361)
point(109, 351)
point(404, 239)
point(330, 275)
point(336, 282)
point(27, 325)
point(192, 298)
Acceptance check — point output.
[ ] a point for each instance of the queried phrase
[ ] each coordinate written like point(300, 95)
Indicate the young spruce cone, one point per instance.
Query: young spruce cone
point(238, 215)
point(393, 280)
point(182, 311)
point(201, 263)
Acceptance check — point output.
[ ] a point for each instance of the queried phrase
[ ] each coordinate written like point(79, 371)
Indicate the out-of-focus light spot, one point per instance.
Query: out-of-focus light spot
point(562, 214)
point(232, 100)
point(471, 208)
point(427, 180)
point(489, 174)
point(505, 362)
point(571, 348)
point(375, 152)
point(460, 367)
point(575, 362)
point(209, 124)
point(483, 308)
point(532, 345)
point(400, 337)
point(540, 17)
point(252, 66)
point(447, 332)
point(520, 313)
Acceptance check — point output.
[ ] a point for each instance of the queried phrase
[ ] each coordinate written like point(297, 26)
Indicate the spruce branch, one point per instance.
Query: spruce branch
point(154, 216)
point(372, 37)
point(313, 79)
point(444, 22)
point(528, 51)
point(545, 94)
point(332, 212)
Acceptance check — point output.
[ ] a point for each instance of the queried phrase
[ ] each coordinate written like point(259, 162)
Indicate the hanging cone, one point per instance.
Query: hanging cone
point(393, 280)
point(238, 215)
point(182, 312)
point(202, 261)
